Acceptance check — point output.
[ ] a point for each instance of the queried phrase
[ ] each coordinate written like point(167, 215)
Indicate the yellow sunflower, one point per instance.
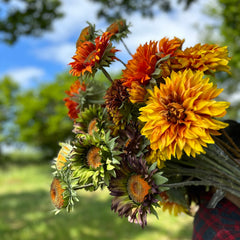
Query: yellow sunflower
point(208, 58)
point(180, 115)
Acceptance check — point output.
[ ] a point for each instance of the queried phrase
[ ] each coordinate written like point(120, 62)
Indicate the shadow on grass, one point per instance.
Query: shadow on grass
point(28, 215)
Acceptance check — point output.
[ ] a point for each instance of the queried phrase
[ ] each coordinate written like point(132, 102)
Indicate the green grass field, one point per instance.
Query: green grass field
point(26, 213)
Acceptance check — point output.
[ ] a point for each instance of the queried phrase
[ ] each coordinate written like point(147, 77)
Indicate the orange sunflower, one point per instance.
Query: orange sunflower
point(144, 62)
point(142, 65)
point(169, 47)
point(180, 115)
point(71, 101)
point(89, 56)
point(208, 58)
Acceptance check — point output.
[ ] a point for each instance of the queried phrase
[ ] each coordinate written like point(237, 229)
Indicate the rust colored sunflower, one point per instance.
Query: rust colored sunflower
point(56, 193)
point(71, 102)
point(142, 65)
point(208, 58)
point(90, 56)
point(180, 115)
point(115, 97)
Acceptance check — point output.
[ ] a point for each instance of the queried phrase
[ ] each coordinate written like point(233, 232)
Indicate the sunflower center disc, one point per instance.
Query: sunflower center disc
point(138, 188)
point(93, 157)
point(92, 126)
point(175, 112)
point(56, 193)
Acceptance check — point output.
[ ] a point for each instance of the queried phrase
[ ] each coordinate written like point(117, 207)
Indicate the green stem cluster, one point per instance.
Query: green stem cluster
point(215, 168)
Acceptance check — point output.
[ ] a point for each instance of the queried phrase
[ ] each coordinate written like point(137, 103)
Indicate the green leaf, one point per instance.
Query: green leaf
point(153, 211)
point(110, 167)
point(159, 179)
point(152, 167)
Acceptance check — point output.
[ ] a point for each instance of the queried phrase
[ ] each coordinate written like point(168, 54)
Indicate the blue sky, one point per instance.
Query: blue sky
point(35, 60)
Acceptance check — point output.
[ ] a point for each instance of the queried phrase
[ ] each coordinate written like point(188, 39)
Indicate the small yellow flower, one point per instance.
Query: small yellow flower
point(172, 207)
point(63, 155)
point(180, 115)
point(156, 156)
point(137, 93)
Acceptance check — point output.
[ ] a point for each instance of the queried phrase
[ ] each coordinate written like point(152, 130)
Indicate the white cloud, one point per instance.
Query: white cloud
point(26, 76)
point(61, 53)
point(76, 14)
point(182, 24)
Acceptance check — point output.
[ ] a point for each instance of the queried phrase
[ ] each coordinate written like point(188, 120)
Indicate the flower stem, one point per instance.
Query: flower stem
point(231, 141)
point(225, 147)
point(106, 74)
point(123, 63)
point(88, 185)
point(205, 174)
point(234, 191)
point(216, 153)
point(129, 52)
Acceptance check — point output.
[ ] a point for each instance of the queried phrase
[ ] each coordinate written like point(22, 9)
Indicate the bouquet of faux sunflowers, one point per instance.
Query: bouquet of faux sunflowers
point(152, 136)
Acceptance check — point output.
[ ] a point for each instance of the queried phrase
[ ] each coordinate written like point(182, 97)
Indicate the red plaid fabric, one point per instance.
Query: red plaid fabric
point(219, 223)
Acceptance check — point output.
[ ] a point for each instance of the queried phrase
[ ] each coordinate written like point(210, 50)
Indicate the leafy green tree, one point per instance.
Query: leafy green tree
point(113, 9)
point(8, 91)
point(228, 26)
point(28, 17)
point(42, 116)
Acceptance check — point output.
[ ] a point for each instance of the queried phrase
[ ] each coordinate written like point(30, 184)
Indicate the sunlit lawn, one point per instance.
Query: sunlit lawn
point(26, 213)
